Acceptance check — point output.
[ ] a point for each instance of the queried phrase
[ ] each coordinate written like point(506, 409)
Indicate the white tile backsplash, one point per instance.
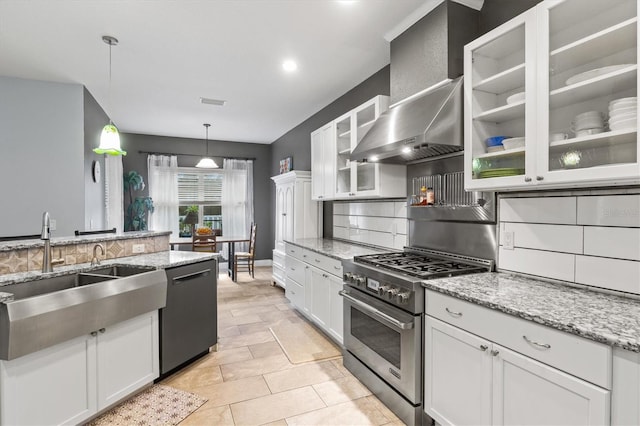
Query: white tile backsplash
point(557, 210)
point(621, 243)
point(610, 210)
point(381, 223)
point(548, 264)
point(561, 238)
point(586, 239)
point(614, 274)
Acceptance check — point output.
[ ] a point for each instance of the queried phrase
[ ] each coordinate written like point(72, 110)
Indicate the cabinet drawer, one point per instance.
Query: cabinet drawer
point(295, 269)
point(279, 274)
point(581, 357)
point(326, 263)
point(278, 259)
point(294, 251)
point(295, 293)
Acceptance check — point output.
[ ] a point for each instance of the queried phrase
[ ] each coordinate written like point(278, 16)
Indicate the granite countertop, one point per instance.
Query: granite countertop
point(160, 260)
point(337, 249)
point(57, 241)
point(599, 316)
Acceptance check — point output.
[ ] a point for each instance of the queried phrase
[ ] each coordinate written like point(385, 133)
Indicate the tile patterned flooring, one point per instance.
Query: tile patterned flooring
point(250, 381)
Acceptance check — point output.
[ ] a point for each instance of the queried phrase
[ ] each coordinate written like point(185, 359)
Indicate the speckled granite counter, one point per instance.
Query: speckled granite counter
point(337, 249)
point(160, 260)
point(56, 241)
point(602, 317)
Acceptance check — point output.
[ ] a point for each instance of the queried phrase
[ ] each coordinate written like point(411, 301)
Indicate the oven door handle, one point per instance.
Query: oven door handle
point(381, 315)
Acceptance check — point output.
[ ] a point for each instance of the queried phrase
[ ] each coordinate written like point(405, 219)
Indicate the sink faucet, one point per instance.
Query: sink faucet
point(47, 263)
point(95, 260)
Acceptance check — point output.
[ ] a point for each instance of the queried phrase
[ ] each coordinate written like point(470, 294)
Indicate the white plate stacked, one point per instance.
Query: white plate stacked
point(623, 113)
point(588, 123)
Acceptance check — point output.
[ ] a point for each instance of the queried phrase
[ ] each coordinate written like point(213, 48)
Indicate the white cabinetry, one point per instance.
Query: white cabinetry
point(313, 282)
point(323, 174)
point(532, 76)
point(297, 216)
point(331, 165)
point(69, 382)
point(485, 367)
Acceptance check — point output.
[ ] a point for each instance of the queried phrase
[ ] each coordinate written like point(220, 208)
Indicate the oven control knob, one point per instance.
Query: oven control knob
point(347, 277)
point(383, 289)
point(360, 281)
point(403, 297)
point(391, 293)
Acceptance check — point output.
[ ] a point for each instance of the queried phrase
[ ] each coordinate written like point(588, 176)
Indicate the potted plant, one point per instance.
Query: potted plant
point(139, 207)
point(191, 217)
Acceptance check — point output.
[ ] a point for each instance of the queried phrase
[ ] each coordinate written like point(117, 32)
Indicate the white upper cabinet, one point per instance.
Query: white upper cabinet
point(331, 165)
point(557, 77)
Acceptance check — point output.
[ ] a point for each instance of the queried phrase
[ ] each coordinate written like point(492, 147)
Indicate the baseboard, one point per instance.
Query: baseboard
point(264, 262)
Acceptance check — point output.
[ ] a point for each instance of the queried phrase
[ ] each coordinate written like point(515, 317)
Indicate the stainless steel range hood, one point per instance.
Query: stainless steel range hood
point(426, 125)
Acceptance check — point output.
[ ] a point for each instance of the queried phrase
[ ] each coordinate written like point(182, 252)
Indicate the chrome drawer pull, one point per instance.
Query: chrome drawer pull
point(455, 314)
point(540, 345)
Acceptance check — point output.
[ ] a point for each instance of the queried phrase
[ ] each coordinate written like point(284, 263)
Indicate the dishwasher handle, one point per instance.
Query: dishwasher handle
point(194, 275)
point(376, 312)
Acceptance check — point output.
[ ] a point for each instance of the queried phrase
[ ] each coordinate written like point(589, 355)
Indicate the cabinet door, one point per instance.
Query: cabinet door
point(587, 63)
point(366, 176)
point(336, 326)
point(321, 298)
point(344, 168)
point(307, 307)
point(288, 213)
point(500, 101)
point(128, 358)
point(54, 386)
point(457, 375)
point(280, 217)
point(526, 392)
point(318, 162)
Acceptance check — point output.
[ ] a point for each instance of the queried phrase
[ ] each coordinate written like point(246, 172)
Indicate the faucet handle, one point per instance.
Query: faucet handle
point(95, 260)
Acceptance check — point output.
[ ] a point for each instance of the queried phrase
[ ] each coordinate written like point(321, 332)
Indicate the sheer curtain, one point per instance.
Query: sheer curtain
point(237, 200)
point(163, 190)
point(113, 193)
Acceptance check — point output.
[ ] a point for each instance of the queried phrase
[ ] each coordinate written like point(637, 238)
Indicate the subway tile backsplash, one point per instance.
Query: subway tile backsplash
point(381, 223)
point(586, 239)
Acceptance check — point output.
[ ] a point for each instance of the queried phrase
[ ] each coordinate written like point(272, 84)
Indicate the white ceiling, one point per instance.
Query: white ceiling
point(171, 53)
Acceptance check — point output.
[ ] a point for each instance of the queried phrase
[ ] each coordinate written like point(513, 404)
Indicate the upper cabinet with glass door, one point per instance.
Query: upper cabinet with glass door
point(588, 63)
point(499, 85)
point(577, 114)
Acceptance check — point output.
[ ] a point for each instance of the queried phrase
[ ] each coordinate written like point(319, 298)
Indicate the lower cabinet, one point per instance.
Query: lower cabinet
point(70, 382)
point(312, 285)
point(472, 380)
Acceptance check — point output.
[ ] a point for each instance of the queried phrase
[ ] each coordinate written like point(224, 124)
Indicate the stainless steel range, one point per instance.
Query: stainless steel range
point(384, 297)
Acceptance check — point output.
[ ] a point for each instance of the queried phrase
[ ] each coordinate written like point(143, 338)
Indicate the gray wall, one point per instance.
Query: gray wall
point(41, 164)
point(497, 12)
point(94, 120)
point(296, 142)
point(134, 160)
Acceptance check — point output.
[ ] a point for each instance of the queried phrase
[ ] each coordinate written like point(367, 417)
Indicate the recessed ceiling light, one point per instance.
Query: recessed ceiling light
point(210, 101)
point(289, 65)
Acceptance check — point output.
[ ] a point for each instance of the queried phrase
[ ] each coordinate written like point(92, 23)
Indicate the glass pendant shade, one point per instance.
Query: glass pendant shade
point(110, 141)
point(207, 163)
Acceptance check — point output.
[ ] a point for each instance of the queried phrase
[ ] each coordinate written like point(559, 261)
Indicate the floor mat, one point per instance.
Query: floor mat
point(303, 343)
point(157, 405)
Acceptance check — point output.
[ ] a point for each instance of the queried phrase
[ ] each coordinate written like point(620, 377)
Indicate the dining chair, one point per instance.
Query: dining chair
point(206, 243)
point(246, 256)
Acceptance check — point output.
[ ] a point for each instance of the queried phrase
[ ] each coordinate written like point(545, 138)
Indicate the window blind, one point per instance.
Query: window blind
point(199, 187)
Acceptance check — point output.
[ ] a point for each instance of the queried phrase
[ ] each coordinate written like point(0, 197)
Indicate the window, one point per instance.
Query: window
point(199, 191)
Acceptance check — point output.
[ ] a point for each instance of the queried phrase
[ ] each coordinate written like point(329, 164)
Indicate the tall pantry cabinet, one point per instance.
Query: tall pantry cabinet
point(297, 216)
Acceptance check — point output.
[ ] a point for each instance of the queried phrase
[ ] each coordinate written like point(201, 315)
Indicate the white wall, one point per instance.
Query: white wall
point(381, 223)
point(41, 156)
point(585, 238)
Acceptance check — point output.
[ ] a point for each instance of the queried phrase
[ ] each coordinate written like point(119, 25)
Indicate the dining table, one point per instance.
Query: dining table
point(231, 241)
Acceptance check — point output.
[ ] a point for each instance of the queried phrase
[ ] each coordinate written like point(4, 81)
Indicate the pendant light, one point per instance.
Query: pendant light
point(110, 138)
point(206, 162)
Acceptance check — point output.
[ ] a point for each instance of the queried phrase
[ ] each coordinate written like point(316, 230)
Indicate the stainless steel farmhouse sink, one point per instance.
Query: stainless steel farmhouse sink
point(48, 311)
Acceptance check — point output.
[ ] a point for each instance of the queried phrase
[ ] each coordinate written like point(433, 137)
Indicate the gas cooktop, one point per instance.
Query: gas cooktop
point(420, 265)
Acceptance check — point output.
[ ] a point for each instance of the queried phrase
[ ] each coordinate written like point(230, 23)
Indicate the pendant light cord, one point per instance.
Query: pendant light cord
point(206, 141)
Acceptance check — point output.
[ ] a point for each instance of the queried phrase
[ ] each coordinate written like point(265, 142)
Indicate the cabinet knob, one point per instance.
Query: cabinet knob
point(484, 347)
point(320, 196)
point(94, 333)
point(527, 179)
point(495, 352)
point(102, 330)
point(539, 177)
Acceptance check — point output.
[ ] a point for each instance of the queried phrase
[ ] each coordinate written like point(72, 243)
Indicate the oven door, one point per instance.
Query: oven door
point(386, 339)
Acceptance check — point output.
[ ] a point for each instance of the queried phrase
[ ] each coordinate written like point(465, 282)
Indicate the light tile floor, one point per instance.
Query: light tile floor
point(249, 379)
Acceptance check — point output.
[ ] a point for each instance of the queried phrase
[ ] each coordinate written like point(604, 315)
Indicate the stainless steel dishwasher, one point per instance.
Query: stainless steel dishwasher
point(189, 322)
